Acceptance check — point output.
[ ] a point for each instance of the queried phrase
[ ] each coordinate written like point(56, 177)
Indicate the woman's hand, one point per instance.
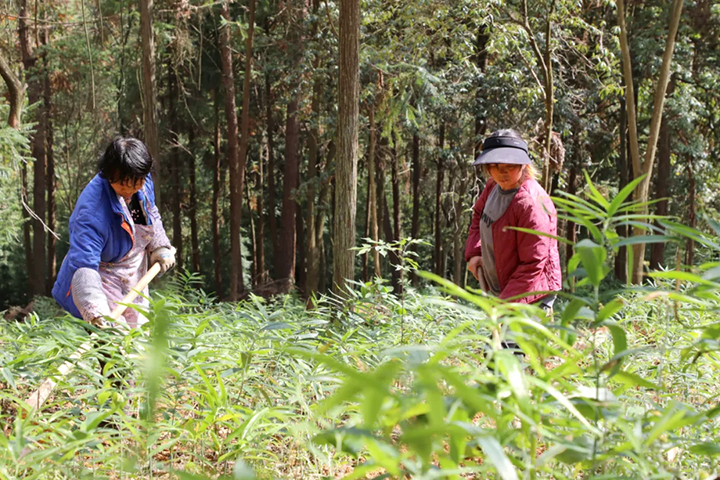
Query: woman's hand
point(473, 264)
point(165, 257)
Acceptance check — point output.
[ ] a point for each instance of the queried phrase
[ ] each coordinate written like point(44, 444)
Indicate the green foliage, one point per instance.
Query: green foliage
point(619, 384)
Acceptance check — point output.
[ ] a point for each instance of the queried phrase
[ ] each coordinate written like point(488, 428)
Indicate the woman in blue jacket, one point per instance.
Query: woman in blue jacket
point(114, 228)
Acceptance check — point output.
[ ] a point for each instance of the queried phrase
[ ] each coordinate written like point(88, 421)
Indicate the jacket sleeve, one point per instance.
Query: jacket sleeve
point(87, 240)
point(160, 238)
point(533, 251)
point(472, 246)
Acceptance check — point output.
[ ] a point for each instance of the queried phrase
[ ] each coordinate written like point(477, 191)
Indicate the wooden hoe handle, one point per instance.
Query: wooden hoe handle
point(39, 396)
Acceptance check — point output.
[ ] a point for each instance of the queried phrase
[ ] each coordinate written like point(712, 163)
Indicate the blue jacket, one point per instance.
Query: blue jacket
point(99, 231)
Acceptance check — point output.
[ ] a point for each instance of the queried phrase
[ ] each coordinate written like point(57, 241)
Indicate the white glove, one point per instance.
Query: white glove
point(165, 257)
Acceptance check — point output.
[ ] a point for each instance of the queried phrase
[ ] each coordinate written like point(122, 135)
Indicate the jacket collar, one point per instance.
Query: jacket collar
point(115, 201)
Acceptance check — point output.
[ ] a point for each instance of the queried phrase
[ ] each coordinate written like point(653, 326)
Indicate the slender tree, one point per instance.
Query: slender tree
point(372, 191)
point(239, 181)
point(150, 128)
point(35, 95)
point(346, 169)
point(233, 156)
point(640, 166)
point(313, 249)
point(175, 161)
point(287, 243)
point(215, 207)
point(50, 157)
point(439, 253)
point(416, 173)
point(192, 210)
point(272, 218)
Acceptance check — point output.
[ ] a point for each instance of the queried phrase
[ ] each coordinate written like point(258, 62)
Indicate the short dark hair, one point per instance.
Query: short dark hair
point(125, 159)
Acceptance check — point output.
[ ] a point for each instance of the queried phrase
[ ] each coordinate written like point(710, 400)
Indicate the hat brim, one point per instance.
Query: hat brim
point(514, 156)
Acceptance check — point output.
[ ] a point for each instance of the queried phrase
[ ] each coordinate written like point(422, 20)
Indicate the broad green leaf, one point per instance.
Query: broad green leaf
point(494, 452)
point(610, 309)
point(592, 257)
point(709, 449)
point(564, 401)
point(632, 379)
point(594, 193)
point(622, 195)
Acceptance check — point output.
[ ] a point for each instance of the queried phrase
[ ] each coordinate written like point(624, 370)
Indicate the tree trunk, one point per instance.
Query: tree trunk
point(439, 251)
point(549, 101)
point(35, 94)
point(325, 193)
point(239, 181)
point(481, 61)
point(372, 192)
point(312, 280)
point(260, 179)
point(233, 158)
point(645, 167)
point(215, 214)
point(253, 240)
point(690, 246)
point(272, 219)
point(300, 272)
point(175, 159)
point(415, 226)
point(287, 241)
point(571, 230)
point(194, 241)
point(27, 240)
point(16, 91)
point(366, 232)
point(622, 230)
point(149, 110)
point(460, 227)
point(662, 180)
point(51, 182)
point(346, 168)
point(397, 275)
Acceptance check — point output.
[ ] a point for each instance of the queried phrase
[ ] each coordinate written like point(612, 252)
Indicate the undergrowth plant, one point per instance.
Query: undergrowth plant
point(621, 383)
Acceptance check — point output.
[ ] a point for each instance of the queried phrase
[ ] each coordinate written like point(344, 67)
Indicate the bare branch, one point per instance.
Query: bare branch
point(35, 216)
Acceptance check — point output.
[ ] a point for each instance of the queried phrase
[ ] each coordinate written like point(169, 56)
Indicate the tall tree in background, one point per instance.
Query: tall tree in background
point(287, 242)
point(233, 156)
point(645, 167)
point(239, 180)
point(439, 251)
point(35, 95)
point(544, 60)
point(215, 206)
point(312, 282)
point(270, 132)
point(372, 184)
point(150, 128)
point(50, 157)
point(175, 160)
point(346, 169)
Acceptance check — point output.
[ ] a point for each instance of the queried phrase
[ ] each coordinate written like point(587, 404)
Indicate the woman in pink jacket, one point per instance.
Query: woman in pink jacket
point(508, 263)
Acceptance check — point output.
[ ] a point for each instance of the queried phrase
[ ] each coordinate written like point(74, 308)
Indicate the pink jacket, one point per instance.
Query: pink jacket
point(525, 262)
